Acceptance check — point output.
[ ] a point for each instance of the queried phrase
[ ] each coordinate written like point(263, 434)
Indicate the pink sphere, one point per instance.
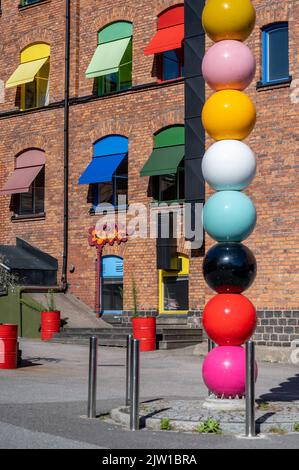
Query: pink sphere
point(224, 371)
point(228, 65)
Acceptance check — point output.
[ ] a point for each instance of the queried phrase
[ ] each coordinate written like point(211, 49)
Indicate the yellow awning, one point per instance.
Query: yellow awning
point(25, 73)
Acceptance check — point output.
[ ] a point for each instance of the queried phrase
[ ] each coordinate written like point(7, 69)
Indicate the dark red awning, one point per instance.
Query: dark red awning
point(28, 166)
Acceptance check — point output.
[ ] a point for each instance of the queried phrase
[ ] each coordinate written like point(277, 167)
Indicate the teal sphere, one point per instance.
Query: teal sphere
point(229, 216)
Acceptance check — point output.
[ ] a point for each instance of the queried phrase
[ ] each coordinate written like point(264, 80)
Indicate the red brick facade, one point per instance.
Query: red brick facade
point(138, 114)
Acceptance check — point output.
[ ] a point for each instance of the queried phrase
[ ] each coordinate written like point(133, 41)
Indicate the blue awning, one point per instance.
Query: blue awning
point(101, 169)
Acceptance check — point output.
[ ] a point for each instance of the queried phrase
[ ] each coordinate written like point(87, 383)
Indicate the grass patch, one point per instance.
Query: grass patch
point(209, 426)
point(264, 406)
point(165, 424)
point(296, 427)
point(276, 430)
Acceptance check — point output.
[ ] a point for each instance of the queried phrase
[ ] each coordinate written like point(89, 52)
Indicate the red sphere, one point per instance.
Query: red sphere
point(229, 319)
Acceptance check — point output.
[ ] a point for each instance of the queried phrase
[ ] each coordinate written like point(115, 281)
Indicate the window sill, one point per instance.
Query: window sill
point(93, 213)
point(28, 218)
point(35, 4)
point(272, 85)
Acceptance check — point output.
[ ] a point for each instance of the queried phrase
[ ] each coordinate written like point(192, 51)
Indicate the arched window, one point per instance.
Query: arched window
point(111, 64)
point(112, 284)
point(167, 44)
point(174, 288)
point(27, 184)
point(166, 165)
point(32, 75)
point(108, 172)
point(275, 53)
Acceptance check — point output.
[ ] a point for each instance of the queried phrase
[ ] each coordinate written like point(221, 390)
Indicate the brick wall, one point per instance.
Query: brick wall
point(138, 114)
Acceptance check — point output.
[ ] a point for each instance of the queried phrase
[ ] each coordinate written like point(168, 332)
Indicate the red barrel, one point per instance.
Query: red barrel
point(8, 346)
point(50, 325)
point(144, 329)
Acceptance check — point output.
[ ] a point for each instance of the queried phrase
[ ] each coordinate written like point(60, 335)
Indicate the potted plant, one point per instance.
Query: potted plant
point(50, 317)
point(144, 327)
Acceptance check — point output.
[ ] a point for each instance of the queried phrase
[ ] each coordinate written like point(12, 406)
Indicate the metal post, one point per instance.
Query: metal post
point(128, 369)
point(92, 379)
point(211, 345)
point(250, 389)
point(135, 381)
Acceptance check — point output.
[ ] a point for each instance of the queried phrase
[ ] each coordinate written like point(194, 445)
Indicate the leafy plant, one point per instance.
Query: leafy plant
point(8, 280)
point(296, 427)
point(263, 406)
point(165, 424)
point(209, 426)
point(135, 299)
point(50, 303)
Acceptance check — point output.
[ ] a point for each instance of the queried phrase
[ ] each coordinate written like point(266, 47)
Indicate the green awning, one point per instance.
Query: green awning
point(164, 161)
point(107, 58)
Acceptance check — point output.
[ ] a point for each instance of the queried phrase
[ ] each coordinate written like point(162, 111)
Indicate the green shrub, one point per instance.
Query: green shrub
point(209, 426)
point(165, 424)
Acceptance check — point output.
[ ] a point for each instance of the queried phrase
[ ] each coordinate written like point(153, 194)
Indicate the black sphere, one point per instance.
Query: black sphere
point(229, 268)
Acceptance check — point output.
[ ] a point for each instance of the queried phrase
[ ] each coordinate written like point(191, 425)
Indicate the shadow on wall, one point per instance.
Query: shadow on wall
point(286, 391)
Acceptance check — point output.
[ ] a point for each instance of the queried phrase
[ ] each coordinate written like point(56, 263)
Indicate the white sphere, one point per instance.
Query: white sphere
point(229, 165)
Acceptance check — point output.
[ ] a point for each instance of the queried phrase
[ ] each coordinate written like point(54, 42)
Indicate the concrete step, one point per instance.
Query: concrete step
point(176, 344)
point(172, 321)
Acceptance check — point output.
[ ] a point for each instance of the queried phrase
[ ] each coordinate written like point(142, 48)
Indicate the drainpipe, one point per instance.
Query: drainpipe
point(66, 145)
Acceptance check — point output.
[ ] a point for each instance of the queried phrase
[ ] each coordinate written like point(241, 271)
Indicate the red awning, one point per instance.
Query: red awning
point(28, 166)
point(166, 39)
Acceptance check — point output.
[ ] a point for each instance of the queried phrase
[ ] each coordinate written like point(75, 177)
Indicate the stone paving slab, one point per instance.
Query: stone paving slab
point(186, 415)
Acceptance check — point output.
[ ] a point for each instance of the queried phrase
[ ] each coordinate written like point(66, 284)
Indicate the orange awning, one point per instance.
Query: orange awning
point(166, 39)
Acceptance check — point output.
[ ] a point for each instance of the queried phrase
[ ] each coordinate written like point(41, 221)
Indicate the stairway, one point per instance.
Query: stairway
point(172, 333)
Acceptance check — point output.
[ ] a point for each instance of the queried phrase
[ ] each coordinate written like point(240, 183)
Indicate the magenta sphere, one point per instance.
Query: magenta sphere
point(224, 371)
point(228, 65)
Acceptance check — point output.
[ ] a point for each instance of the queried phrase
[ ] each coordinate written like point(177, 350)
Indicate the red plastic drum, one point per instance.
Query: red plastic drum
point(8, 346)
point(50, 325)
point(144, 329)
point(229, 319)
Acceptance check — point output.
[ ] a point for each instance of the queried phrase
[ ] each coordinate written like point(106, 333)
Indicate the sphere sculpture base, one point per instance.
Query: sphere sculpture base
point(224, 404)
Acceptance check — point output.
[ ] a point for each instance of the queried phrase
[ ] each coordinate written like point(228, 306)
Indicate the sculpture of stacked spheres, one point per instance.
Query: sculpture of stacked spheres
point(229, 216)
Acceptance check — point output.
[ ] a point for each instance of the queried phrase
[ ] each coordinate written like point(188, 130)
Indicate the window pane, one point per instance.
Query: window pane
point(30, 95)
point(125, 76)
point(175, 293)
point(171, 65)
point(26, 203)
point(168, 188)
point(39, 198)
point(121, 187)
point(110, 83)
point(278, 54)
point(105, 193)
point(112, 294)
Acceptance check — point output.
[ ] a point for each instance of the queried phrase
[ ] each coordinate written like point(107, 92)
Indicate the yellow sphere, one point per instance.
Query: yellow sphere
point(229, 114)
point(228, 19)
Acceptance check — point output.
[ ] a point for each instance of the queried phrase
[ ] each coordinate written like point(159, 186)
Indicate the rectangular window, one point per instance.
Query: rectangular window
point(33, 202)
point(120, 80)
point(171, 65)
point(275, 50)
point(36, 94)
point(29, 2)
point(175, 293)
point(111, 191)
point(112, 294)
point(170, 187)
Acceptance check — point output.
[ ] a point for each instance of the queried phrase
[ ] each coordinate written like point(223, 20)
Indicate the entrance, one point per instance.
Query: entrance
point(112, 285)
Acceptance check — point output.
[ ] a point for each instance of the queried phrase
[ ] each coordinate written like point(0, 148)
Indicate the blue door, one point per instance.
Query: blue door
point(112, 285)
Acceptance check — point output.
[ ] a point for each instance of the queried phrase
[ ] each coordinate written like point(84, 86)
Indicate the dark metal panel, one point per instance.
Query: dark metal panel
point(193, 12)
point(194, 52)
point(194, 97)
